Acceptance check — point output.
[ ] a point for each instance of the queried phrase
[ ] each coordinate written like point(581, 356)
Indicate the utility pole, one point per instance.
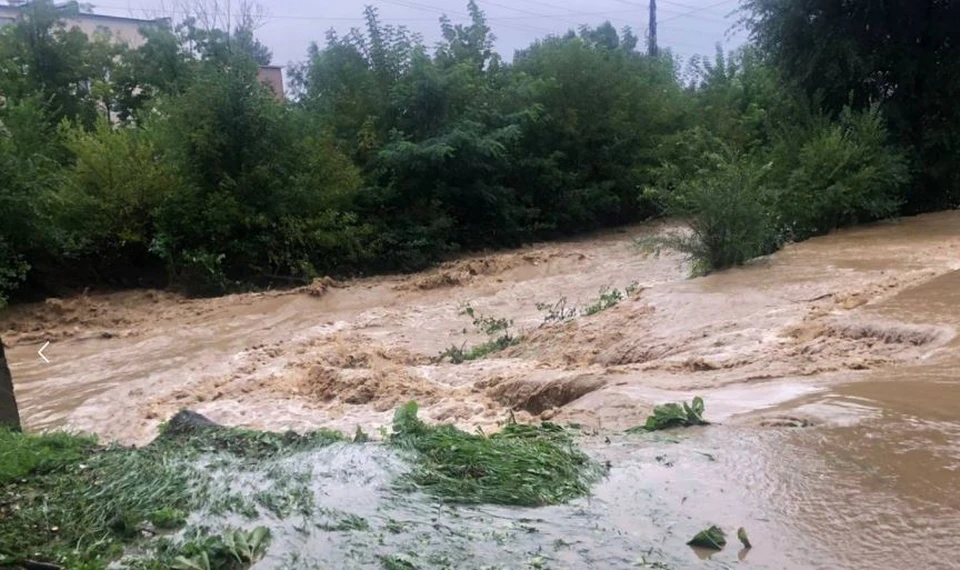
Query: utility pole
point(652, 49)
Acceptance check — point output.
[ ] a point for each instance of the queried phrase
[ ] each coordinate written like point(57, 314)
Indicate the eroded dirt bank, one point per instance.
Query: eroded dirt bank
point(852, 333)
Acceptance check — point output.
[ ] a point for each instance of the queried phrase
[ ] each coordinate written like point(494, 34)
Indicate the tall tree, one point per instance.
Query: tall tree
point(39, 55)
point(9, 414)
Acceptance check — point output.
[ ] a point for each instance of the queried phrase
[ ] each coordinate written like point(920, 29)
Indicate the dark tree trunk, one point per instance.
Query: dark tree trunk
point(9, 414)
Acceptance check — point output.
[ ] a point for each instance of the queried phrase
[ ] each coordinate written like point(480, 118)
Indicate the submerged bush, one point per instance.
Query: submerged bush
point(727, 208)
point(739, 204)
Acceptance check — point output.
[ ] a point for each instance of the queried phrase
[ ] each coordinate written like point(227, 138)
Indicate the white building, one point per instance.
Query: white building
point(127, 30)
point(121, 30)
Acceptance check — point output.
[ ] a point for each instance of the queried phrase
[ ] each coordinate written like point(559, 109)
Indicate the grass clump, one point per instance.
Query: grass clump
point(339, 521)
point(522, 465)
point(668, 416)
point(84, 511)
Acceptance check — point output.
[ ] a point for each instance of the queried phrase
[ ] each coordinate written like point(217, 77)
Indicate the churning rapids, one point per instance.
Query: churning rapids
point(829, 369)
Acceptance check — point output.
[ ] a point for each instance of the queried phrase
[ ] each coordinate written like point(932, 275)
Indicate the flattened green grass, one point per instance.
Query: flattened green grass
point(522, 465)
point(67, 501)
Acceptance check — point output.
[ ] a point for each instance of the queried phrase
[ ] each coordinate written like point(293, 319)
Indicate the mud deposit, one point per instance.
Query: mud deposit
point(831, 367)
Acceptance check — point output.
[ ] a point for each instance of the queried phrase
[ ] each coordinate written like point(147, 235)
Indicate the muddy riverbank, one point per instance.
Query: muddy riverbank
point(851, 334)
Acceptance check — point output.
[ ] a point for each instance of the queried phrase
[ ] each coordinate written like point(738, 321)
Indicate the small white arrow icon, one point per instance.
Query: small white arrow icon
point(40, 352)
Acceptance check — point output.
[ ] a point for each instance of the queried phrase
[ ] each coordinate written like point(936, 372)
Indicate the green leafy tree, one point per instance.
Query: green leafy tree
point(28, 177)
point(901, 54)
point(256, 184)
point(40, 56)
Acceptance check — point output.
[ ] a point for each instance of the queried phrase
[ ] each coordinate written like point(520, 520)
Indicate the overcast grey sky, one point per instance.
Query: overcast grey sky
point(686, 26)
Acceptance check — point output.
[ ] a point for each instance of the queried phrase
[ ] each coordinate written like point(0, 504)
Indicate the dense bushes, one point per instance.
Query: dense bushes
point(902, 55)
point(171, 165)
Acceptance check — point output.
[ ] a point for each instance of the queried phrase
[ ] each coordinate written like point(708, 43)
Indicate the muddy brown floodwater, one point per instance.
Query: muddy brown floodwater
point(830, 367)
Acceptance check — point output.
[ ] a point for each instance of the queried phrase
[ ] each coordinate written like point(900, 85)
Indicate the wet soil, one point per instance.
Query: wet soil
point(829, 365)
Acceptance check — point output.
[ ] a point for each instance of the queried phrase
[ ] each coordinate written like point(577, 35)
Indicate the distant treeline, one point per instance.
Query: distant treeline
point(170, 165)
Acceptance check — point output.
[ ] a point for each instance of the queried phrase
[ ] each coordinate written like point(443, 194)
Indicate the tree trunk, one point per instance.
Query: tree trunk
point(9, 415)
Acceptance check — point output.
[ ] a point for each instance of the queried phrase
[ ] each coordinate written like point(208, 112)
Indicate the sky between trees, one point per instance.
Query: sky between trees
point(687, 27)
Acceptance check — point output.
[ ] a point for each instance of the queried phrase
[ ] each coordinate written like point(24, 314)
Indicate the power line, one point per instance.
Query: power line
point(522, 11)
point(698, 10)
point(697, 13)
point(681, 5)
point(400, 3)
point(505, 21)
point(436, 9)
point(501, 21)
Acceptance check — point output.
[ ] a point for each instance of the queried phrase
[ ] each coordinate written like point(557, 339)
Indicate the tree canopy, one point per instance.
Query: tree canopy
point(171, 165)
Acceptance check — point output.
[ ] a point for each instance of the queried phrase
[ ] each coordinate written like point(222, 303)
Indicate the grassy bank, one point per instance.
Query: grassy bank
point(68, 501)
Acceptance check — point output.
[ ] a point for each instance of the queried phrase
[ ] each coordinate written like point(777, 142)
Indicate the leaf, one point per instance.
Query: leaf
point(242, 548)
point(258, 540)
point(200, 562)
point(230, 544)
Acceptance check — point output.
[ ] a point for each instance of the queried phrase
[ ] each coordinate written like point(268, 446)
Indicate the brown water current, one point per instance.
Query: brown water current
point(830, 370)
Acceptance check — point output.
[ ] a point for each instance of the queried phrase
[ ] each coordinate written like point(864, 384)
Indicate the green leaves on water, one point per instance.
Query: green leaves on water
point(668, 416)
point(713, 538)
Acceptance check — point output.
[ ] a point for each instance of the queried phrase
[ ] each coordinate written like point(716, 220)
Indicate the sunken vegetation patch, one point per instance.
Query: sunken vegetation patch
point(522, 465)
point(192, 432)
point(68, 501)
